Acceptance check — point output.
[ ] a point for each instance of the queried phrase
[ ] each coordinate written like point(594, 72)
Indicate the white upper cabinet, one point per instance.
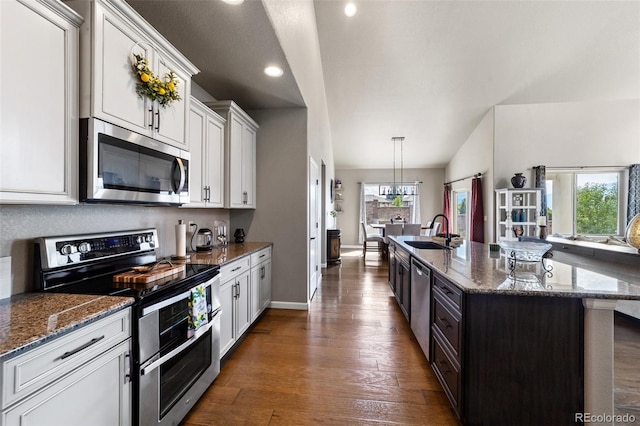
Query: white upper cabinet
point(39, 102)
point(206, 145)
point(240, 150)
point(110, 37)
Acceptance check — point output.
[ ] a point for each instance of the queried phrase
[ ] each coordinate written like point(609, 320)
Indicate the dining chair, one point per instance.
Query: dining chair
point(370, 238)
point(433, 231)
point(391, 229)
point(411, 229)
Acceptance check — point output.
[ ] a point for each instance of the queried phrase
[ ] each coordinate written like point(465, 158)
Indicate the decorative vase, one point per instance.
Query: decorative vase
point(518, 180)
point(632, 234)
point(239, 235)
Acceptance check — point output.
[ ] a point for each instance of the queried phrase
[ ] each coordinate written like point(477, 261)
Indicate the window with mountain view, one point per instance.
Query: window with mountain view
point(590, 203)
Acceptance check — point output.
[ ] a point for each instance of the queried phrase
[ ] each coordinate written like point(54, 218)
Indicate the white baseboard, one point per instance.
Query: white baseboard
point(289, 305)
point(351, 246)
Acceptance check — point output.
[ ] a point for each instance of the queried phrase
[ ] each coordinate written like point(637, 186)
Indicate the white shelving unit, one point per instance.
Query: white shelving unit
point(517, 211)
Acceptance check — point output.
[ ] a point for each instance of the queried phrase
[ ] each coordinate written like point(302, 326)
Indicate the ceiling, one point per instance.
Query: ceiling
point(425, 70)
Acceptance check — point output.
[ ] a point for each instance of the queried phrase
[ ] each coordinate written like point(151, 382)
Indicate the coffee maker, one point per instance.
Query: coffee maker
point(203, 240)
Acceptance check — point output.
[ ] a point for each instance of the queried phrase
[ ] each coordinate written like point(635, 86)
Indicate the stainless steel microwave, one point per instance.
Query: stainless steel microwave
point(121, 166)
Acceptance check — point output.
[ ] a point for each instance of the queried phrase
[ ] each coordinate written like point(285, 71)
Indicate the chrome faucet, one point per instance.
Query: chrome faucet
point(447, 235)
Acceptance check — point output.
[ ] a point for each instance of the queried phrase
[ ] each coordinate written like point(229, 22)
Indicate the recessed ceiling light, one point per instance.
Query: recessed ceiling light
point(233, 2)
point(273, 71)
point(350, 9)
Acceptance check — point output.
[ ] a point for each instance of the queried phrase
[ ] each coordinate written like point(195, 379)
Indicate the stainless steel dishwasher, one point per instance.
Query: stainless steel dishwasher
point(420, 304)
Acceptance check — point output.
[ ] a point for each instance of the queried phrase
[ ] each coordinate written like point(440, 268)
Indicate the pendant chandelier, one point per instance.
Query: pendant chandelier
point(395, 190)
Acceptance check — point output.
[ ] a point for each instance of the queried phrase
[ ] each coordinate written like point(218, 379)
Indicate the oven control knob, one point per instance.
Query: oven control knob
point(66, 249)
point(84, 247)
point(139, 239)
point(148, 238)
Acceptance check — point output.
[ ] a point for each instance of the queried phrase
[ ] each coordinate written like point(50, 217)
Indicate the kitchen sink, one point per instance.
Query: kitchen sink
point(425, 245)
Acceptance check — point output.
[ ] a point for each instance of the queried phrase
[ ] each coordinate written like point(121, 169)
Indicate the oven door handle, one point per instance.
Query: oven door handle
point(158, 362)
point(167, 302)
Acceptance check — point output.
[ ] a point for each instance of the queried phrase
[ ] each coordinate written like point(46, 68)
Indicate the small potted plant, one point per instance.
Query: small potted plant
point(334, 215)
point(338, 184)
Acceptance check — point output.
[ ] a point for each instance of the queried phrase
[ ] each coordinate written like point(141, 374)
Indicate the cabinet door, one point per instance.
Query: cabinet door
point(227, 301)
point(98, 393)
point(114, 86)
point(265, 285)
point(236, 169)
point(169, 122)
point(256, 282)
point(243, 303)
point(248, 167)
point(198, 163)
point(215, 161)
point(39, 103)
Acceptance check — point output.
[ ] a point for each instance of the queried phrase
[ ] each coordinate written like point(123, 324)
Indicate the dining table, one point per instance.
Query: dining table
point(381, 227)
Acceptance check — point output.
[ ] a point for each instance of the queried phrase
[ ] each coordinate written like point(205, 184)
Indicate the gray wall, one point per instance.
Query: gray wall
point(20, 224)
point(281, 213)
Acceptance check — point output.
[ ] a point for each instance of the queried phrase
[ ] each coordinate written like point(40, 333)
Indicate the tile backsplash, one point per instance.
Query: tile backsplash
point(20, 224)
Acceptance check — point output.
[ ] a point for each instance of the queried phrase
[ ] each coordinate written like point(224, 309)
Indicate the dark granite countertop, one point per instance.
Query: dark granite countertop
point(476, 269)
point(225, 254)
point(30, 319)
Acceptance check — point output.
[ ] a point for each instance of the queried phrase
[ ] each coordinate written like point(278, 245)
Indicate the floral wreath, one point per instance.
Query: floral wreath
point(164, 91)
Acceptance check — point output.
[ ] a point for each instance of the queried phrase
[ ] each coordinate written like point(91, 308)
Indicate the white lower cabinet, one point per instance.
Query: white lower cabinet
point(81, 378)
point(260, 282)
point(245, 292)
point(234, 299)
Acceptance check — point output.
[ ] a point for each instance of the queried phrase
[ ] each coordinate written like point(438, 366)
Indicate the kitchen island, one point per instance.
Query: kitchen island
point(511, 352)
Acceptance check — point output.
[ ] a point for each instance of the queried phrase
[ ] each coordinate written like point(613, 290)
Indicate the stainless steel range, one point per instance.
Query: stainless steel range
point(176, 321)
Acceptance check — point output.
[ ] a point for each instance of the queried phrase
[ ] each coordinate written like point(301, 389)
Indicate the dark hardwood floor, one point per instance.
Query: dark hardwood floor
point(352, 360)
point(627, 367)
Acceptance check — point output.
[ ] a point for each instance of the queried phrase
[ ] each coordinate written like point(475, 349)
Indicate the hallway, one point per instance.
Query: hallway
point(351, 359)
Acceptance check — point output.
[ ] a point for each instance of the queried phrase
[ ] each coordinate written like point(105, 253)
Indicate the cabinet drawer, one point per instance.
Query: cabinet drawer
point(453, 293)
point(448, 374)
point(448, 323)
point(235, 268)
point(261, 256)
point(39, 367)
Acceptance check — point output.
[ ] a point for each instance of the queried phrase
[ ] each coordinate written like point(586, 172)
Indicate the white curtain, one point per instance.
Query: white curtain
point(363, 213)
point(415, 215)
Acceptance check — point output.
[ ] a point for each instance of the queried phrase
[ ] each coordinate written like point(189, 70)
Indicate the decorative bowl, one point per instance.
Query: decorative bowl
point(525, 251)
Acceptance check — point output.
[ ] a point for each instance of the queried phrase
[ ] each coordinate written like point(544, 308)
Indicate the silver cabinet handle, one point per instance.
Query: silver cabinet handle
point(151, 123)
point(158, 115)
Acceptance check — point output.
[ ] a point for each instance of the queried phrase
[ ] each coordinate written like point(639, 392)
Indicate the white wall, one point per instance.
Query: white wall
point(567, 134)
point(476, 156)
point(349, 219)
point(520, 137)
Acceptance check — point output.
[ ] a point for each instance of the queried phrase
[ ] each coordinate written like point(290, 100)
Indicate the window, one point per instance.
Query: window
point(461, 217)
point(586, 202)
point(381, 205)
